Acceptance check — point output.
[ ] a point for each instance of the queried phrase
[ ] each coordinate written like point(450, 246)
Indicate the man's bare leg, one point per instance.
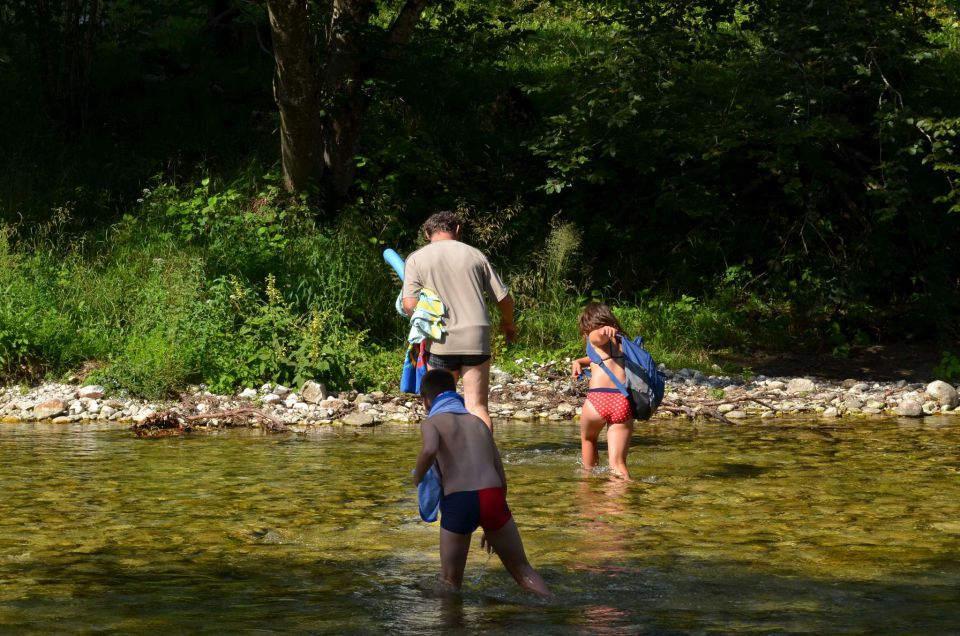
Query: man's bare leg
point(453, 557)
point(507, 544)
point(476, 390)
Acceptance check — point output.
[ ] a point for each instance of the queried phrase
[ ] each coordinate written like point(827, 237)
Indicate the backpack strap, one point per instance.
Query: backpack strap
point(596, 359)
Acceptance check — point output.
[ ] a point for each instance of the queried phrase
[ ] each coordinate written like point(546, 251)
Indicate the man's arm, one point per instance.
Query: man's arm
point(507, 326)
point(428, 451)
point(409, 304)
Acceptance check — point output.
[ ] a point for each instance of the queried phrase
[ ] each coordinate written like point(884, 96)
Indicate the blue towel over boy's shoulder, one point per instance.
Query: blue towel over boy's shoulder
point(430, 488)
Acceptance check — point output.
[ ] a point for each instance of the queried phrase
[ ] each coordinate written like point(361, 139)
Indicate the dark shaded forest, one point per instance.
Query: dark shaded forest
point(199, 191)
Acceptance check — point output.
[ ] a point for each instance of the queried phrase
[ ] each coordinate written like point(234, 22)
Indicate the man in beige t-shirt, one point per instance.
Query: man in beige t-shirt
point(463, 278)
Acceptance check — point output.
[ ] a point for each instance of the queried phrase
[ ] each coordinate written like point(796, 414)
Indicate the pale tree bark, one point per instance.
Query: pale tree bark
point(296, 90)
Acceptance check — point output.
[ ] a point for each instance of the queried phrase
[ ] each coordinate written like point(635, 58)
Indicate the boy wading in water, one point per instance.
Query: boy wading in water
point(474, 486)
point(605, 405)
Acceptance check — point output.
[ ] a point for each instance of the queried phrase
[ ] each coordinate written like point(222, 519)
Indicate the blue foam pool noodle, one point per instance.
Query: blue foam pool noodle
point(395, 261)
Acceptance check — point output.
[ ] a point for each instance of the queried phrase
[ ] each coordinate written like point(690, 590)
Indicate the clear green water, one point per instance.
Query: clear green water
point(783, 528)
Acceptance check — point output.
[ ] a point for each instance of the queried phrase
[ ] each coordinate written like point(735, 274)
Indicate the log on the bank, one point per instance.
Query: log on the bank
point(271, 423)
point(161, 425)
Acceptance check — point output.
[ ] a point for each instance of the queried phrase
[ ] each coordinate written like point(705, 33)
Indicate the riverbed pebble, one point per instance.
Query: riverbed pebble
point(538, 392)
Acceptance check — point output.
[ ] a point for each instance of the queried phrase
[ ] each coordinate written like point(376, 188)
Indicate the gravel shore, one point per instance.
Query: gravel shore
point(543, 392)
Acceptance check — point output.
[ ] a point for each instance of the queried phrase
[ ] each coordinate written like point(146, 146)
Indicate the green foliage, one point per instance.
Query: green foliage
point(729, 175)
point(948, 369)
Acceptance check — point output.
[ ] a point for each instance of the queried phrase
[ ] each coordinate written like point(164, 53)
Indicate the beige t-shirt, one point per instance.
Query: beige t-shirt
point(460, 275)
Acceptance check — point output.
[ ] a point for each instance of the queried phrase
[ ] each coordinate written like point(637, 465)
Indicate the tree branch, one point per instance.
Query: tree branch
point(402, 28)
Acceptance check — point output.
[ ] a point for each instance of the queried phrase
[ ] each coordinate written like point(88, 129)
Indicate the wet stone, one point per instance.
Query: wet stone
point(910, 408)
point(359, 419)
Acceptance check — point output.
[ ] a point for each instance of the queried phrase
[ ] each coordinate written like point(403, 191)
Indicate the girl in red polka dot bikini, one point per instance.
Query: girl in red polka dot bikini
point(605, 405)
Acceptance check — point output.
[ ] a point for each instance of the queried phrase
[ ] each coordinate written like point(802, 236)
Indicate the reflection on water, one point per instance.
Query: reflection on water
point(797, 527)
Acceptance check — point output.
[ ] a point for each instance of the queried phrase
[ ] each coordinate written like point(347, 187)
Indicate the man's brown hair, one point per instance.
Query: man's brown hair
point(596, 315)
point(444, 221)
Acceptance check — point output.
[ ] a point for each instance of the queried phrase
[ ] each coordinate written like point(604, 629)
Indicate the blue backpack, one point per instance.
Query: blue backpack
point(645, 384)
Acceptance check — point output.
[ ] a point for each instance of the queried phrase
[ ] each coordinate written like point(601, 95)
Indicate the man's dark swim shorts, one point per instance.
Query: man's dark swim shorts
point(454, 362)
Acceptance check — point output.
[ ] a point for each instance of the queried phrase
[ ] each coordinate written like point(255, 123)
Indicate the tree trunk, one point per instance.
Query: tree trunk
point(323, 147)
point(343, 87)
point(296, 90)
point(347, 69)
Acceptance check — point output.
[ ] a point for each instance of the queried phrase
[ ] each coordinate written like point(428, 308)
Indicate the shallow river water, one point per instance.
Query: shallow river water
point(786, 527)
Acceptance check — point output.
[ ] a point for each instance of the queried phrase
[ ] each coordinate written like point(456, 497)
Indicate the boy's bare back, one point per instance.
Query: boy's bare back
point(466, 452)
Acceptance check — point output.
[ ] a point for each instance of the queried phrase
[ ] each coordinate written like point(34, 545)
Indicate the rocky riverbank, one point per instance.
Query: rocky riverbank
point(542, 392)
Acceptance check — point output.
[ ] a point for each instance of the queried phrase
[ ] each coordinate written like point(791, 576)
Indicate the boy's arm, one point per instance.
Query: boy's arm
point(428, 451)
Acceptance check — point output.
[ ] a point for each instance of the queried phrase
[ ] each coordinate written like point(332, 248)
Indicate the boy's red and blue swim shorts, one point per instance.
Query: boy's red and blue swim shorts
point(462, 512)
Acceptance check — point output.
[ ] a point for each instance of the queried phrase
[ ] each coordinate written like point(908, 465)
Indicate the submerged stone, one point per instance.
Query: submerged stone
point(910, 408)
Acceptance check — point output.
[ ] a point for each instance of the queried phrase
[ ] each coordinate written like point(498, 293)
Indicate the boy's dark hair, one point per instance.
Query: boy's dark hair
point(444, 221)
point(596, 315)
point(435, 382)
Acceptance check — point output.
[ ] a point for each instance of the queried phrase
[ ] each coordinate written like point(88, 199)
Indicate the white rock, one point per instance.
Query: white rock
point(736, 415)
point(301, 406)
point(801, 385)
point(929, 407)
point(563, 407)
point(49, 408)
point(94, 391)
point(831, 412)
point(143, 414)
point(943, 393)
point(363, 407)
point(272, 398)
point(313, 392)
point(726, 408)
point(248, 394)
point(93, 406)
point(281, 390)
